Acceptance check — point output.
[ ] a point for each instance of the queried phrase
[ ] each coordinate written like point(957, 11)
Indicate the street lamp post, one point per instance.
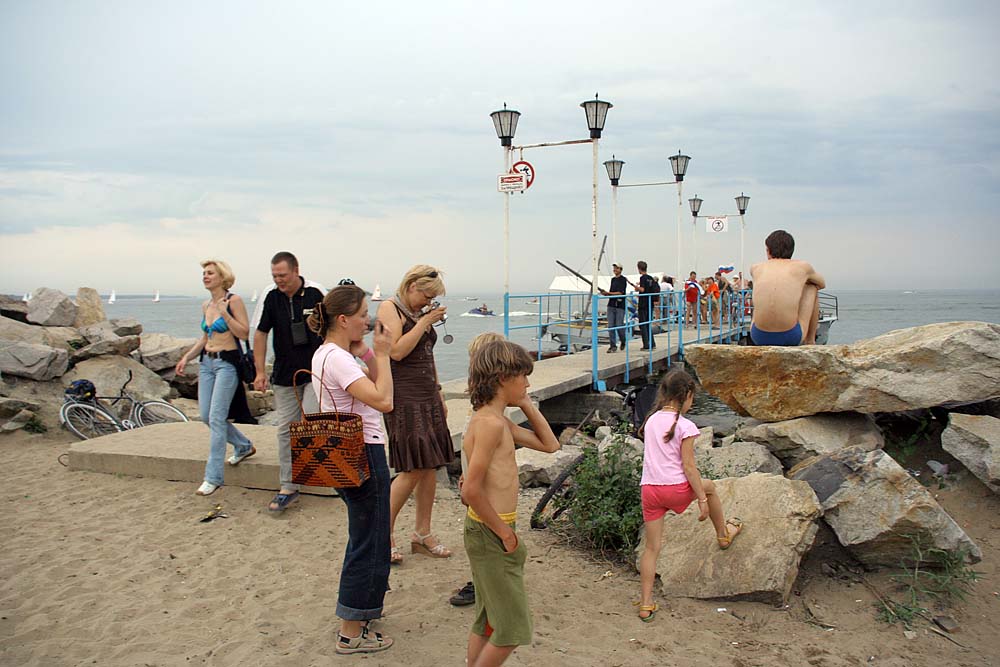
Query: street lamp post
point(597, 112)
point(695, 204)
point(741, 205)
point(614, 168)
point(505, 123)
point(679, 165)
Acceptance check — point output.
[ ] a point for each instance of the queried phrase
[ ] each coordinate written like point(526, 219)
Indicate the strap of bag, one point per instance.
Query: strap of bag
point(239, 341)
point(323, 384)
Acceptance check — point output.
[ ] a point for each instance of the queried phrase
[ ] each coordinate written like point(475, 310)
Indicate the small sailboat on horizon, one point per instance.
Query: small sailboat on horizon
point(156, 297)
point(377, 293)
point(111, 299)
point(253, 299)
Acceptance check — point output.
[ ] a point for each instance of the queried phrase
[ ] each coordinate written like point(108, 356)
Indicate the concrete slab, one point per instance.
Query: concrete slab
point(177, 452)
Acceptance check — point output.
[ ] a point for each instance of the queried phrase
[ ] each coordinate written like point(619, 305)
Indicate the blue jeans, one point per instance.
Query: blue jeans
point(364, 577)
point(217, 380)
point(616, 318)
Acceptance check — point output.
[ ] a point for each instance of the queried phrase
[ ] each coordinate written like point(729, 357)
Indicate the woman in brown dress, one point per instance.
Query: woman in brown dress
point(419, 441)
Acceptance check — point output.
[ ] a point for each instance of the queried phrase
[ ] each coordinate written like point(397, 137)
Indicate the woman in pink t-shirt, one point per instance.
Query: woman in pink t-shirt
point(342, 384)
point(670, 478)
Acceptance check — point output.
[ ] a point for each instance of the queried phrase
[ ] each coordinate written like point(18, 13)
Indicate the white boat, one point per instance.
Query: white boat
point(253, 299)
point(156, 297)
point(111, 299)
point(26, 298)
point(377, 293)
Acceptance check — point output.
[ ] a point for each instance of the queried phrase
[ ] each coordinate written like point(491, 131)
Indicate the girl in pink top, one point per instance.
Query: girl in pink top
point(670, 478)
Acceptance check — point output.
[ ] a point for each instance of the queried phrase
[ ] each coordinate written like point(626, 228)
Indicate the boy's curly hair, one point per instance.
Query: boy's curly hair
point(493, 363)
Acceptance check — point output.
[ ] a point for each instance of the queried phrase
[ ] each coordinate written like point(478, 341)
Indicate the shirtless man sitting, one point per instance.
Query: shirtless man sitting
point(785, 296)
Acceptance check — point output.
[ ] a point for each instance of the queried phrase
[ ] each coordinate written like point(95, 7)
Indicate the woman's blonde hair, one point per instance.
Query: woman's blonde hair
point(223, 269)
point(426, 278)
point(491, 364)
point(482, 339)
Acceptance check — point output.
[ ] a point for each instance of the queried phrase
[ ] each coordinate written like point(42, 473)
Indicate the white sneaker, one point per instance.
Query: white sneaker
point(206, 489)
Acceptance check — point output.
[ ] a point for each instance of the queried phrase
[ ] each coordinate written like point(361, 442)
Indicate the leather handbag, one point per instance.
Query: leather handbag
point(246, 367)
point(328, 448)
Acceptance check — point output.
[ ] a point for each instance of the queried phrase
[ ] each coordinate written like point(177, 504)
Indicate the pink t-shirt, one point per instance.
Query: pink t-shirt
point(661, 463)
point(339, 369)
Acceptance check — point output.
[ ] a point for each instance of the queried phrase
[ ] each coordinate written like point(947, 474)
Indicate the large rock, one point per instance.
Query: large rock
point(160, 351)
point(109, 373)
point(89, 307)
point(879, 511)
point(975, 441)
point(98, 332)
point(738, 459)
point(187, 384)
point(13, 308)
point(121, 345)
point(796, 440)
point(937, 364)
point(11, 406)
point(127, 326)
point(51, 308)
point(539, 468)
point(779, 518)
point(35, 362)
point(65, 338)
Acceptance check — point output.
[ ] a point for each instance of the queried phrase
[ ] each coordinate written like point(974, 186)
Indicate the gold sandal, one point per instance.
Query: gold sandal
point(418, 546)
point(736, 523)
point(650, 609)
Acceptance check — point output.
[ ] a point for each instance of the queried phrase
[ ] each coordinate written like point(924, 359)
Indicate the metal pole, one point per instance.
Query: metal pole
point(680, 210)
point(742, 268)
point(694, 241)
point(614, 222)
point(593, 222)
point(506, 226)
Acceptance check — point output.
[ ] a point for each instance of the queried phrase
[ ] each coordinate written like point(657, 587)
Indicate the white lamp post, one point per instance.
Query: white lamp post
point(597, 113)
point(695, 204)
point(741, 205)
point(614, 168)
point(679, 165)
point(505, 123)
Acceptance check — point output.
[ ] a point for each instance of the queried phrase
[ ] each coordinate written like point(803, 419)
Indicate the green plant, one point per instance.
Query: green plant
point(903, 449)
point(605, 509)
point(35, 425)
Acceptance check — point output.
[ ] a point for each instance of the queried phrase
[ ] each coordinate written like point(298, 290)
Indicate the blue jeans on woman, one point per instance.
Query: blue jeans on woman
point(364, 577)
point(217, 382)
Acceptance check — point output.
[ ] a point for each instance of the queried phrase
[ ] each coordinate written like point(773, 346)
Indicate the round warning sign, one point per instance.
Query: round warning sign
point(525, 168)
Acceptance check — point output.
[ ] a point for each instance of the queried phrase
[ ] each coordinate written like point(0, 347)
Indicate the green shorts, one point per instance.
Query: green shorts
point(499, 580)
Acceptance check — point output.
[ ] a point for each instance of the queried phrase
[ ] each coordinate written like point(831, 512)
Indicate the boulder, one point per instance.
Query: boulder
point(722, 424)
point(878, 511)
point(160, 351)
point(89, 307)
point(11, 406)
point(18, 421)
point(949, 364)
point(779, 518)
point(738, 459)
point(51, 308)
point(98, 332)
point(796, 440)
point(65, 338)
point(13, 308)
point(109, 373)
point(120, 345)
point(187, 384)
point(536, 468)
point(35, 362)
point(975, 441)
point(635, 443)
point(126, 326)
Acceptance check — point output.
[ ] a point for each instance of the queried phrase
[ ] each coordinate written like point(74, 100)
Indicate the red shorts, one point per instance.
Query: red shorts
point(658, 498)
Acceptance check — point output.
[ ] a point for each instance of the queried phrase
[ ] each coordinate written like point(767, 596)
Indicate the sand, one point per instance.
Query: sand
point(111, 570)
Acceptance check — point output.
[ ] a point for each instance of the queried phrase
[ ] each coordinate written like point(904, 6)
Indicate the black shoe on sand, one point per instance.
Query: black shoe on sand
point(464, 596)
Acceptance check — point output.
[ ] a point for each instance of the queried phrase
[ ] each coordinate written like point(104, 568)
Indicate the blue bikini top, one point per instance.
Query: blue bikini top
point(218, 326)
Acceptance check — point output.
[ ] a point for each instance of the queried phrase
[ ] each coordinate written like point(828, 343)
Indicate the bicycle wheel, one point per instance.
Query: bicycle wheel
point(87, 421)
point(158, 412)
point(540, 518)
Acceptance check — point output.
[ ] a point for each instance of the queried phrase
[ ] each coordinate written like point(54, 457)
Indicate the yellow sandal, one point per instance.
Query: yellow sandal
point(650, 609)
point(737, 524)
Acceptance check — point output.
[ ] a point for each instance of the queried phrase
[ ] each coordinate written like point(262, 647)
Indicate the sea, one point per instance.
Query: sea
point(862, 314)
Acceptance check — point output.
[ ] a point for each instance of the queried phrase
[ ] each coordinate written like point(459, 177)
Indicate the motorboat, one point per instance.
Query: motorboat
point(483, 311)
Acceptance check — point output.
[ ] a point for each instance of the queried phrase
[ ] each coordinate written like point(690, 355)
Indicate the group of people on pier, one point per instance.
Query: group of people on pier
point(394, 376)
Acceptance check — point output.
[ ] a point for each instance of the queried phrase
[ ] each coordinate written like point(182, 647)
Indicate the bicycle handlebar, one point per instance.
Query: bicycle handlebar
point(122, 390)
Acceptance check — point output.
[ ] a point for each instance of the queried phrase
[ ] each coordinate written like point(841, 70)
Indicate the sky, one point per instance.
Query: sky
point(137, 139)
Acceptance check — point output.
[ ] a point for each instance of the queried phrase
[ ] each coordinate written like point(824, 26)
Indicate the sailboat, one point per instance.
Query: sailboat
point(111, 299)
point(26, 298)
point(377, 294)
point(156, 297)
point(253, 299)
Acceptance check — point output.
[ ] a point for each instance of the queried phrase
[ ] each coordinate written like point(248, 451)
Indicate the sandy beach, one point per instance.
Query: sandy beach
point(112, 570)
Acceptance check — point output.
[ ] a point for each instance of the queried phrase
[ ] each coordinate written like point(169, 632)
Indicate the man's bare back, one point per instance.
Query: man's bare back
point(785, 291)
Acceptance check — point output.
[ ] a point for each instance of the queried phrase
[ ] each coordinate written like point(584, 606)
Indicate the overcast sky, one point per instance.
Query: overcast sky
point(139, 138)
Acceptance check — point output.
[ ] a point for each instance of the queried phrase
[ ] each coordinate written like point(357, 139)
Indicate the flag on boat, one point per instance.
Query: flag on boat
point(718, 224)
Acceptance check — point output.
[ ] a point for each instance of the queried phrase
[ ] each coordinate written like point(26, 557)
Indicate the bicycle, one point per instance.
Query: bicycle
point(636, 403)
point(88, 416)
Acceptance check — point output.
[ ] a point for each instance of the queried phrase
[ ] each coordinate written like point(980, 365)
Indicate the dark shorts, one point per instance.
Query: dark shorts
point(789, 338)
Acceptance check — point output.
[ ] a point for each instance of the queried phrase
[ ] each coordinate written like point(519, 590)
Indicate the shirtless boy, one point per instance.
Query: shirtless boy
point(498, 378)
point(785, 296)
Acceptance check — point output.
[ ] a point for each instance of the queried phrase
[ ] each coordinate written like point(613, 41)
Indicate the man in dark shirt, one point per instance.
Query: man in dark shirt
point(647, 285)
point(284, 309)
point(616, 307)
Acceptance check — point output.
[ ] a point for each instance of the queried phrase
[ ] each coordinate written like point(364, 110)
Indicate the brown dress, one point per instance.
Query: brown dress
point(418, 430)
